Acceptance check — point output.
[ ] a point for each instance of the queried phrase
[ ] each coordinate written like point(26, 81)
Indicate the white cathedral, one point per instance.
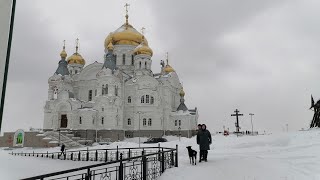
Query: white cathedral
point(120, 97)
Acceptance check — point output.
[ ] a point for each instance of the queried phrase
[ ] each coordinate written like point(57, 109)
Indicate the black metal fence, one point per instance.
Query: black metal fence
point(147, 166)
point(105, 155)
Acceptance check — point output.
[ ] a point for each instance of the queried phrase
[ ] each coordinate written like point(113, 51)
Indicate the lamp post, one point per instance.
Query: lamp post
point(139, 128)
point(251, 114)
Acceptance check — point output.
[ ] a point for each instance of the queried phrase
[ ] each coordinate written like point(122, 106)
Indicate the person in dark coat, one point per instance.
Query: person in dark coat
point(204, 140)
point(62, 150)
point(199, 130)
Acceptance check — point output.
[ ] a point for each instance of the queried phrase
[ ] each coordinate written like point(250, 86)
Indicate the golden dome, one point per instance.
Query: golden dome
point(182, 93)
point(76, 58)
point(168, 69)
point(143, 48)
point(124, 35)
point(63, 54)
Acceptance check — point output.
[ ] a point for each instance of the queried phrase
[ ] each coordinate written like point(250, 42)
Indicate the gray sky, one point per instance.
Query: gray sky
point(261, 57)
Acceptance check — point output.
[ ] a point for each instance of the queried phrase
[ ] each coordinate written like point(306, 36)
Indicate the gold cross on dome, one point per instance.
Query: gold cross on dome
point(142, 30)
point(167, 57)
point(77, 45)
point(126, 5)
point(64, 44)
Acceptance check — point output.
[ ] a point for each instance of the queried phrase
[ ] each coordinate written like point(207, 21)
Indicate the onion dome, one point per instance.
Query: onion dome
point(168, 68)
point(143, 48)
point(76, 58)
point(125, 35)
point(182, 93)
point(63, 53)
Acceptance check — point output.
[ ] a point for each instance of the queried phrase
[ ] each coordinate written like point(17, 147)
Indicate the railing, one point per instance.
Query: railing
point(141, 167)
point(105, 155)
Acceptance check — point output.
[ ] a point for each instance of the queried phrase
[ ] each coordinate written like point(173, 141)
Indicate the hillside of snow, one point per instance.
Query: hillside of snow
point(283, 156)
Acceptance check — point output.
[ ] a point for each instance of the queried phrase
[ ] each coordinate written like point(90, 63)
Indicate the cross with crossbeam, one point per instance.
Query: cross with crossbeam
point(237, 116)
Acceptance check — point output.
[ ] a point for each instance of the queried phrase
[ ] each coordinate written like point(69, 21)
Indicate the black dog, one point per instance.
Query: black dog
point(192, 155)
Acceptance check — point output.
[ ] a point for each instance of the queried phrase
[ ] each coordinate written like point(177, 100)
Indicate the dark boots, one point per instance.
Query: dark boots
point(205, 155)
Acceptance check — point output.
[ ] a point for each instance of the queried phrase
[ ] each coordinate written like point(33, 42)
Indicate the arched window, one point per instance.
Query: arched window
point(102, 120)
point(129, 99)
point(176, 123)
point(147, 98)
point(142, 99)
point(123, 59)
point(145, 65)
point(90, 95)
point(151, 100)
point(116, 90)
point(95, 92)
point(129, 122)
point(149, 122)
point(80, 120)
point(140, 65)
point(179, 122)
point(144, 122)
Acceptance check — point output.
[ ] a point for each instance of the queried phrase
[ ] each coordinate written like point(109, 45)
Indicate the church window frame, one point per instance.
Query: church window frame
point(95, 92)
point(151, 100)
point(144, 122)
point(90, 95)
point(92, 120)
point(179, 122)
point(102, 89)
point(80, 120)
point(140, 65)
point(175, 122)
point(147, 99)
point(129, 122)
point(145, 65)
point(116, 90)
point(129, 99)
point(123, 59)
point(132, 60)
point(142, 99)
point(149, 122)
point(102, 120)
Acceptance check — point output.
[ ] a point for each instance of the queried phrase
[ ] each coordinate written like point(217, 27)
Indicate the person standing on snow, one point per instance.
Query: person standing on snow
point(199, 131)
point(62, 150)
point(204, 140)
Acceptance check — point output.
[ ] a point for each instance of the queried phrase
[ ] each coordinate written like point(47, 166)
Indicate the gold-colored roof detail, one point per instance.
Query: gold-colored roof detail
point(76, 58)
point(143, 48)
point(110, 46)
point(63, 53)
point(182, 93)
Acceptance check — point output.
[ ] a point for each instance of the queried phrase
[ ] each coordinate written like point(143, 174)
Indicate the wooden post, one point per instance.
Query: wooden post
point(121, 168)
point(117, 155)
point(162, 162)
point(144, 166)
point(176, 164)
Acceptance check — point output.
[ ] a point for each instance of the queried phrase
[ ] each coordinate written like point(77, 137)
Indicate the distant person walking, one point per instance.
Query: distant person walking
point(204, 140)
point(62, 150)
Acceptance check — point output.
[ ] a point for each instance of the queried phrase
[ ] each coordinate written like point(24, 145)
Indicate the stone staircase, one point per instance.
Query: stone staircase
point(67, 139)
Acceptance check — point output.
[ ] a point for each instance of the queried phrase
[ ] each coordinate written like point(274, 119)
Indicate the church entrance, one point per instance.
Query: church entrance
point(64, 121)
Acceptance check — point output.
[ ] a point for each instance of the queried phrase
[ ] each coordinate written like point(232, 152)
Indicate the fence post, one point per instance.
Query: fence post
point(33, 153)
point(88, 176)
point(121, 168)
point(87, 155)
point(129, 155)
point(96, 155)
point(106, 158)
point(144, 166)
point(47, 154)
point(162, 161)
point(176, 164)
point(117, 156)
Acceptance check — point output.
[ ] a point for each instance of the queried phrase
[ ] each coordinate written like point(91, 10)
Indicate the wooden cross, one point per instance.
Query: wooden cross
point(64, 44)
point(237, 116)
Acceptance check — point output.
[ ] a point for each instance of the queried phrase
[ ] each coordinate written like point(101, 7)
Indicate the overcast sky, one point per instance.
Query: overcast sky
point(262, 57)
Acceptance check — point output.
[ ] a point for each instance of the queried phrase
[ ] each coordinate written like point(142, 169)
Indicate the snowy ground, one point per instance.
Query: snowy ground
point(285, 156)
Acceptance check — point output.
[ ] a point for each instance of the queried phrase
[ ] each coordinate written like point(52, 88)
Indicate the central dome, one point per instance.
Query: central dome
point(124, 35)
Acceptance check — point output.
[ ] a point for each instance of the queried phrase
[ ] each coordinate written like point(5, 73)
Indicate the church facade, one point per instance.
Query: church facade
point(120, 96)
